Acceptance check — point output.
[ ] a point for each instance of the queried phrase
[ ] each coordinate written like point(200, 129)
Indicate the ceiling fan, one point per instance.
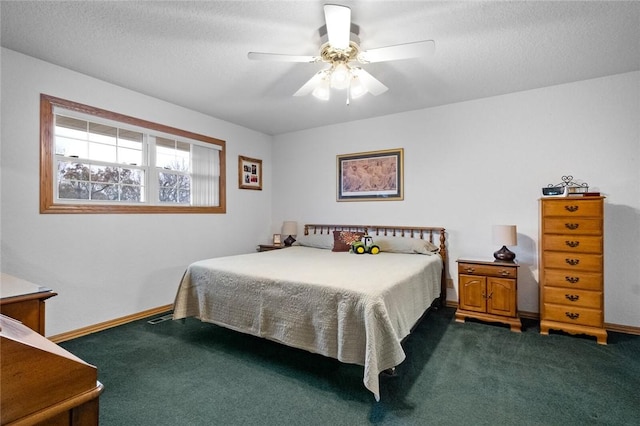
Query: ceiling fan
point(341, 51)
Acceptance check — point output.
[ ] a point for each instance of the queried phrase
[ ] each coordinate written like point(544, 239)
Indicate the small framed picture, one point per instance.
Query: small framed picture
point(277, 240)
point(249, 173)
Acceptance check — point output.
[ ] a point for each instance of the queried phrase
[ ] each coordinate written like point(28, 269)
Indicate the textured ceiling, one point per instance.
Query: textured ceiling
point(194, 54)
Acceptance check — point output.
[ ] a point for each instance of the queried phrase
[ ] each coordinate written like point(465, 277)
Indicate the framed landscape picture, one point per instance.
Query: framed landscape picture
point(374, 175)
point(249, 173)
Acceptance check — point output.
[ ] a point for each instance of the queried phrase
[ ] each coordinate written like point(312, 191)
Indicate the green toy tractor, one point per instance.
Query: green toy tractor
point(365, 245)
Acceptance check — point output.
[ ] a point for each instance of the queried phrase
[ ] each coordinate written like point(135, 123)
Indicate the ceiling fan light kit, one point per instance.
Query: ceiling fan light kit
point(341, 50)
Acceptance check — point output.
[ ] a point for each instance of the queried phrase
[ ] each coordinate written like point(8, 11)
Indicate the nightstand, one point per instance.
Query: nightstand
point(269, 247)
point(487, 291)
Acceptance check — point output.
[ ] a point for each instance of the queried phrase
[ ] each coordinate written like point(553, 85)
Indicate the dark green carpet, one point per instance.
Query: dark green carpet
point(190, 373)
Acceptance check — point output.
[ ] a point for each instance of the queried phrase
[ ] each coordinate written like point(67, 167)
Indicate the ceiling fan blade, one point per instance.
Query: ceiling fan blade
point(338, 20)
point(311, 84)
point(277, 57)
point(372, 84)
point(399, 51)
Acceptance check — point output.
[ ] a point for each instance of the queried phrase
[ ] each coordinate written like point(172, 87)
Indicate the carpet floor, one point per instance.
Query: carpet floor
point(192, 373)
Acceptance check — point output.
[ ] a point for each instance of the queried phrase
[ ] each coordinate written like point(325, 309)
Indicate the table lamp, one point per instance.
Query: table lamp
point(289, 228)
point(505, 235)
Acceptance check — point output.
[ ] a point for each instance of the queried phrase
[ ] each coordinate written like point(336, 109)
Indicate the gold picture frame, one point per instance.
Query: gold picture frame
point(249, 173)
point(277, 240)
point(371, 176)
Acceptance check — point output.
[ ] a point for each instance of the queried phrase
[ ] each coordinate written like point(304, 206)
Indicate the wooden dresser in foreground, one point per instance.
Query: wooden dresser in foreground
point(571, 266)
point(24, 301)
point(43, 384)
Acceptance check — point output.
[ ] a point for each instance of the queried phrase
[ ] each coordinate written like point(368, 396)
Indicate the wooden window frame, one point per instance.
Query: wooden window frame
point(47, 149)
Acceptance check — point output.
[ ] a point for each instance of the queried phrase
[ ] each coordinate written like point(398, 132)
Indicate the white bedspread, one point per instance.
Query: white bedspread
point(355, 308)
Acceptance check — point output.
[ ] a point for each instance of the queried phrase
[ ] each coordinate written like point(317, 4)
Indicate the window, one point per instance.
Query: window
point(97, 161)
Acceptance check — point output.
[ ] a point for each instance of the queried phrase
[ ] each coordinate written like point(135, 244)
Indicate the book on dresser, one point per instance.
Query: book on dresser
point(571, 266)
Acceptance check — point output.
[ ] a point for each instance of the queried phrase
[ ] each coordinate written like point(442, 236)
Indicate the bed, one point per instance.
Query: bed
point(317, 297)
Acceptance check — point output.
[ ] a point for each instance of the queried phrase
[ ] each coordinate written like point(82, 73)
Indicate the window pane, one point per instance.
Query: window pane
point(102, 133)
point(71, 127)
point(105, 174)
point(164, 158)
point(72, 171)
point(184, 197)
point(167, 180)
point(73, 190)
point(182, 161)
point(71, 147)
point(167, 195)
point(131, 193)
point(172, 154)
point(130, 156)
point(104, 192)
point(101, 152)
point(131, 176)
point(130, 138)
point(184, 182)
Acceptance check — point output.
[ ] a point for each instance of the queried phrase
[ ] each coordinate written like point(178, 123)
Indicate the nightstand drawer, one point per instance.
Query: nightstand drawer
point(572, 261)
point(570, 226)
point(573, 208)
point(571, 297)
point(573, 315)
point(573, 243)
point(500, 271)
point(573, 279)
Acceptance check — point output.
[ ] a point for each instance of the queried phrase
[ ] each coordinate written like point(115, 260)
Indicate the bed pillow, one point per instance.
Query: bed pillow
point(321, 241)
point(342, 240)
point(405, 245)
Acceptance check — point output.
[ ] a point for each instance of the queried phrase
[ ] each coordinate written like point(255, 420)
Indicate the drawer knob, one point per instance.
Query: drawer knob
point(505, 273)
point(572, 315)
point(572, 262)
point(572, 226)
point(573, 244)
point(572, 297)
point(469, 269)
point(571, 208)
point(572, 280)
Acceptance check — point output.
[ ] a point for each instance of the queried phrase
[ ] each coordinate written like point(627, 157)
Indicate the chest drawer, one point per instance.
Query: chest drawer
point(572, 261)
point(572, 208)
point(572, 226)
point(571, 297)
point(573, 315)
point(488, 270)
point(573, 279)
point(572, 243)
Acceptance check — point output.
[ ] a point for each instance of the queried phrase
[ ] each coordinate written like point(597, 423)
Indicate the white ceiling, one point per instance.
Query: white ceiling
point(194, 54)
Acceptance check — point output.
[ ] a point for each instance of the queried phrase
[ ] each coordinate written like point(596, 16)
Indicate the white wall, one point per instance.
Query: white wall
point(474, 164)
point(467, 166)
point(108, 266)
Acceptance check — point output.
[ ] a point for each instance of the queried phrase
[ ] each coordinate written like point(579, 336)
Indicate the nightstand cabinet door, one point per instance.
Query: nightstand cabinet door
point(472, 293)
point(487, 291)
point(501, 296)
point(571, 266)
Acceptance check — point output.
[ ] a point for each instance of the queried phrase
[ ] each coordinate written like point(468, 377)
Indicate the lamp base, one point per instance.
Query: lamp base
point(504, 255)
point(290, 240)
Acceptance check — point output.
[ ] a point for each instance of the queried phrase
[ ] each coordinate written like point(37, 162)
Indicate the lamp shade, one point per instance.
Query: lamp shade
point(290, 228)
point(505, 235)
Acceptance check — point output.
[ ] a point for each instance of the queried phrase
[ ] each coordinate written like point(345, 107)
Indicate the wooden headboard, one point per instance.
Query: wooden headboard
point(429, 233)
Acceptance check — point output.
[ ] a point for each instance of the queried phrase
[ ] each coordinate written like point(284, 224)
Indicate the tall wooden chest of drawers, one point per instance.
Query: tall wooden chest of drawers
point(571, 266)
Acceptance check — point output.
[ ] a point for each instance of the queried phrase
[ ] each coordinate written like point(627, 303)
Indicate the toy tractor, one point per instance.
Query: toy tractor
point(365, 245)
